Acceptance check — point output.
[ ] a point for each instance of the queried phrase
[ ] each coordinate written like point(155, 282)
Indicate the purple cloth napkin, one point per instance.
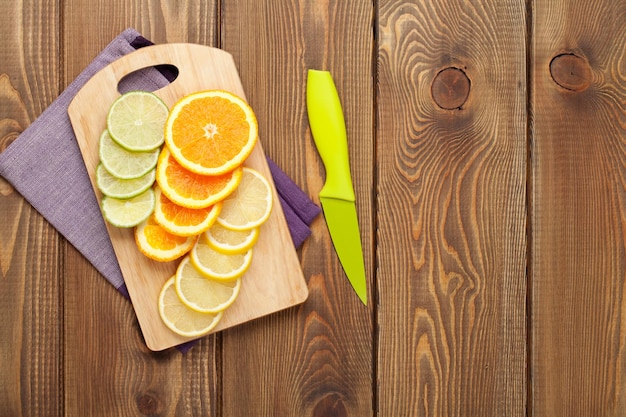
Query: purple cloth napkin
point(45, 165)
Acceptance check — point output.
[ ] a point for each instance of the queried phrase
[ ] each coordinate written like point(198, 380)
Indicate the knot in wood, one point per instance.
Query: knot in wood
point(450, 88)
point(330, 405)
point(148, 404)
point(9, 131)
point(570, 72)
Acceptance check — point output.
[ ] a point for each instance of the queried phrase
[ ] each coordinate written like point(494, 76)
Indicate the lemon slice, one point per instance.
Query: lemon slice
point(216, 265)
point(231, 241)
point(204, 294)
point(129, 212)
point(114, 187)
point(122, 163)
point(136, 121)
point(250, 205)
point(181, 319)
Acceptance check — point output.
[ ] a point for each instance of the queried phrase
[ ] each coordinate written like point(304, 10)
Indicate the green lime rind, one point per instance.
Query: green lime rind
point(112, 186)
point(136, 121)
point(130, 212)
point(124, 164)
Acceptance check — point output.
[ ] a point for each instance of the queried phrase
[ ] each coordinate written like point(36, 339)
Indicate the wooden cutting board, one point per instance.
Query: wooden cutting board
point(275, 280)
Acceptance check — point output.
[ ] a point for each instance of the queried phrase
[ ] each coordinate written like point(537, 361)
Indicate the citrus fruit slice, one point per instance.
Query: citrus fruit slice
point(183, 221)
point(136, 120)
point(158, 244)
point(122, 163)
point(204, 294)
point(216, 265)
point(114, 187)
point(129, 212)
point(192, 190)
point(211, 132)
point(181, 319)
point(230, 241)
point(250, 205)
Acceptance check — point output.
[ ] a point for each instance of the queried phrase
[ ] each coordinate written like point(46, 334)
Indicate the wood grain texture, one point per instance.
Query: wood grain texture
point(315, 359)
point(110, 371)
point(451, 211)
point(30, 262)
point(441, 196)
point(100, 326)
point(578, 252)
point(90, 25)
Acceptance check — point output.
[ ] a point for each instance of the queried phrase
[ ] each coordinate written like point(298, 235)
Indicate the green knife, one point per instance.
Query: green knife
point(337, 194)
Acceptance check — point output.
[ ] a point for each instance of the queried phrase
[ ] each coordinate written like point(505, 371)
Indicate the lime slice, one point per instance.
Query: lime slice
point(130, 212)
point(114, 187)
point(125, 164)
point(136, 120)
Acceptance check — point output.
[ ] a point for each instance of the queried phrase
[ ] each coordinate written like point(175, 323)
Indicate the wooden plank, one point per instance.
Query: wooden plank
point(30, 268)
point(451, 148)
point(578, 252)
point(159, 21)
point(316, 359)
point(108, 369)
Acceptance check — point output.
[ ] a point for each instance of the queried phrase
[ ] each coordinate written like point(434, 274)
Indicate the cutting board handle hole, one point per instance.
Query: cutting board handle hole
point(150, 78)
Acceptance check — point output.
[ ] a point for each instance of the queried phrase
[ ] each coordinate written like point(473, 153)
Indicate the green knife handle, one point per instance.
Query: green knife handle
point(329, 134)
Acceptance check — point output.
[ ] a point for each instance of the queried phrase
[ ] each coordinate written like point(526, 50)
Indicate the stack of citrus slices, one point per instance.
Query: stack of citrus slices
point(206, 207)
point(208, 278)
point(128, 151)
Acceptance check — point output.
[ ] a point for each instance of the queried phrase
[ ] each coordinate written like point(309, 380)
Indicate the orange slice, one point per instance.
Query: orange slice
point(158, 244)
point(183, 221)
point(191, 190)
point(211, 132)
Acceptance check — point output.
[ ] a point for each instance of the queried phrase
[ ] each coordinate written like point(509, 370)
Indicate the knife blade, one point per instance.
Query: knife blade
point(337, 195)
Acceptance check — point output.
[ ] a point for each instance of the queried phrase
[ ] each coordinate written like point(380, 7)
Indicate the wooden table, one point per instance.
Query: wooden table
point(488, 149)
